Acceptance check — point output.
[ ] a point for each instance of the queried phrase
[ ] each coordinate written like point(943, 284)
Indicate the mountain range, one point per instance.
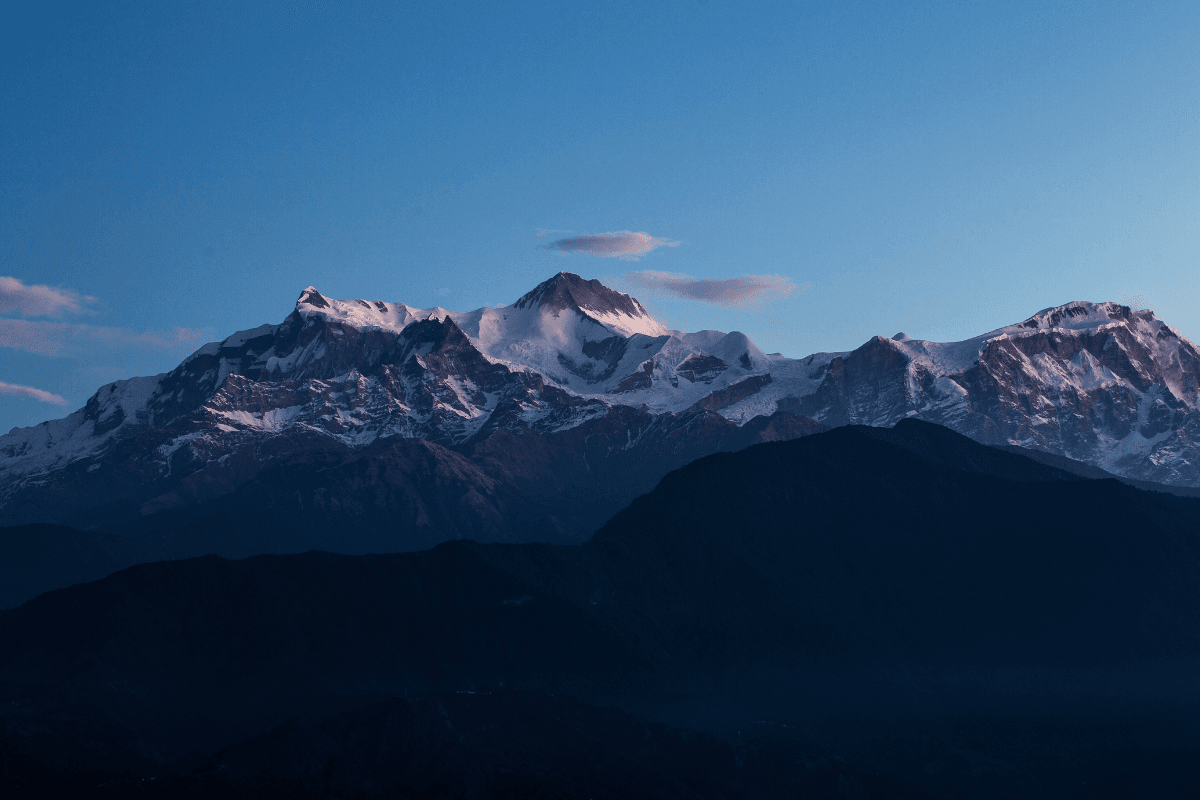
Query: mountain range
point(571, 360)
point(368, 426)
point(1098, 383)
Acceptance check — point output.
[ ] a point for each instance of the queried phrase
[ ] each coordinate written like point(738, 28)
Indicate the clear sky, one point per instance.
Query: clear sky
point(171, 173)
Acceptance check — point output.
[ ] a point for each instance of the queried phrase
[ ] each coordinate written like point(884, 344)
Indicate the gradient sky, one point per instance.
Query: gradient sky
point(175, 172)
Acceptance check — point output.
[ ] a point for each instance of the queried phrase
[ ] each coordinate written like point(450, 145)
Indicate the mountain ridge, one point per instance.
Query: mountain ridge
point(1098, 383)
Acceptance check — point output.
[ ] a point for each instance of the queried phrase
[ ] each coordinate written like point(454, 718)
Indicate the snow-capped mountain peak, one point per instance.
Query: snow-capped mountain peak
point(570, 330)
point(311, 297)
point(615, 310)
point(363, 313)
point(1098, 382)
point(1081, 314)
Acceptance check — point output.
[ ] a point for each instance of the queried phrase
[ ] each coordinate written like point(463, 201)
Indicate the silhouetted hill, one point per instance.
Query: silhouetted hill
point(399, 495)
point(34, 558)
point(930, 608)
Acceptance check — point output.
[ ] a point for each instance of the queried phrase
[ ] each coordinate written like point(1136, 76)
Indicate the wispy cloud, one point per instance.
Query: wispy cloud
point(45, 338)
point(38, 300)
point(745, 290)
point(625, 245)
point(17, 390)
point(54, 338)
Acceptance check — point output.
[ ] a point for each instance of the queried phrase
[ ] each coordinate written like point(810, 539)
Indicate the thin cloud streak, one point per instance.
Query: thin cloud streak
point(43, 338)
point(52, 338)
point(38, 300)
point(746, 291)
point(625, 245)
point(17, 390)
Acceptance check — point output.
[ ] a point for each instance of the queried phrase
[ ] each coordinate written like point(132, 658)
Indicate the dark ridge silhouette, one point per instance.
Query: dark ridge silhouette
point(35, 558)
point(958, 617)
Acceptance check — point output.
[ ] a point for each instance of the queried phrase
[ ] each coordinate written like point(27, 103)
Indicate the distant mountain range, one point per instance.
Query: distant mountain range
point(804, 617)
point(1096, 382)
point(367, 426)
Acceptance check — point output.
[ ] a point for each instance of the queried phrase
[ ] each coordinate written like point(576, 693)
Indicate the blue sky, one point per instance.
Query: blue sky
point(177, 173)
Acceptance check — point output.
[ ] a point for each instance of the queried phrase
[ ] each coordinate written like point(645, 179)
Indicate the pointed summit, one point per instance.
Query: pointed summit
point(567, 291)
point(311, 297)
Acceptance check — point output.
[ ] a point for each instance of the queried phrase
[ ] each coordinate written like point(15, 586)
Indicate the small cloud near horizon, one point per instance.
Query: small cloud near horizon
point(17, 390)
point(746, 291)
point(38, 300)
point(52, 338)
point(625, 245)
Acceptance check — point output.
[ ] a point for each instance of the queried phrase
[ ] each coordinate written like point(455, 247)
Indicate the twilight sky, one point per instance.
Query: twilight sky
point(810, 173)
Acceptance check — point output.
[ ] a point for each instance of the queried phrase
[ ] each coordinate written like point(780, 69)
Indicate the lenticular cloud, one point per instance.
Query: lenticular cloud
point(625, 245)
point(17, 390)
point(744, 290)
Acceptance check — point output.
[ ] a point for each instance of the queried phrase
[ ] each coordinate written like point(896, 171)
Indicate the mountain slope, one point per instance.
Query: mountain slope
point(394, 495)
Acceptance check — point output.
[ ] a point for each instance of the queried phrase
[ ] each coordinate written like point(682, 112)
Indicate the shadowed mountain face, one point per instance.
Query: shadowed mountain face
point(953, 615)
point(398, 495)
